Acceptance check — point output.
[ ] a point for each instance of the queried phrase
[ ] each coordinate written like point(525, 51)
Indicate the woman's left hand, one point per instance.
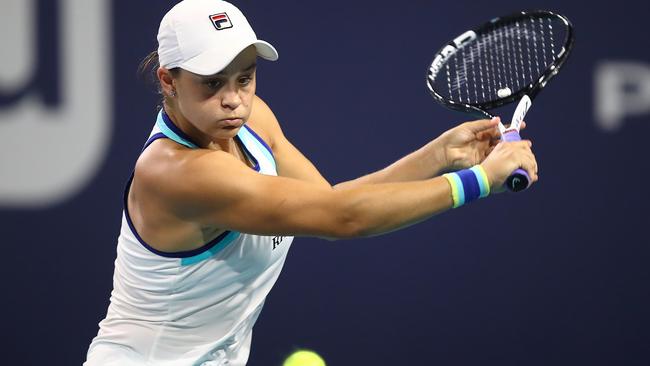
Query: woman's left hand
point(468, 144)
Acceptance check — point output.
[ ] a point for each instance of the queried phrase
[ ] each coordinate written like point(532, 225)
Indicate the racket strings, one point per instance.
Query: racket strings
point(504, 60)
point(489, 51)
point(508, 57)
point(498, 59)
point(535, 49)
point(523, 59)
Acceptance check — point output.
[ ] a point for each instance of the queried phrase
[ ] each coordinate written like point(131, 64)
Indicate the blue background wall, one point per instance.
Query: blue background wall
point(557, 275)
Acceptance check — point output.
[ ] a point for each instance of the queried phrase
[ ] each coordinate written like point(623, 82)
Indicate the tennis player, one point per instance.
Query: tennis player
point(218, 194)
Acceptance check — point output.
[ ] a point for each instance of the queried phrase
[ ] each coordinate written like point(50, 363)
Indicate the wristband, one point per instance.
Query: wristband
point(468, 185)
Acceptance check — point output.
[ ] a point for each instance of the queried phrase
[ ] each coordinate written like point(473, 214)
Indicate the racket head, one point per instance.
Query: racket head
point(500, 61)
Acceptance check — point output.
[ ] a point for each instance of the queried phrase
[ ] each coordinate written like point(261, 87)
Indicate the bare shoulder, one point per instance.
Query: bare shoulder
point(161, 159)
point(263, 121)
point(170, 188)
point(171, 171)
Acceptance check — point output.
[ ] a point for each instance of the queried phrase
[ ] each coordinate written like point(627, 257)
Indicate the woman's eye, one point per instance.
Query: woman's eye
point(245, 80)
point(213, 84)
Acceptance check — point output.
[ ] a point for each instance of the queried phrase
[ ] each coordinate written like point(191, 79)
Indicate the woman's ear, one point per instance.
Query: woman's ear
point(166, 82)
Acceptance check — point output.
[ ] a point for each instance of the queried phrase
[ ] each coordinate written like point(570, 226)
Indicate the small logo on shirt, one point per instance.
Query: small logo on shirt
point(277, 240)
point(221, 21)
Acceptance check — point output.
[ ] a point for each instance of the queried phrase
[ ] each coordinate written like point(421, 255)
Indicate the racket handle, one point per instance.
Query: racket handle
point(519, 179)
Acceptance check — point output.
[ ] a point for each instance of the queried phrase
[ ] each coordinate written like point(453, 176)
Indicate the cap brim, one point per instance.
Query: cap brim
point(214, 60)
point(266, 50)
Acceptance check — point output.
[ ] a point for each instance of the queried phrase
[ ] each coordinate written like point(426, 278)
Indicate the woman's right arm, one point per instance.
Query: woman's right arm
point(219, 190)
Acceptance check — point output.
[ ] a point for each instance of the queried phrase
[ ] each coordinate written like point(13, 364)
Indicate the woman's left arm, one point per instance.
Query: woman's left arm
point(461, 147)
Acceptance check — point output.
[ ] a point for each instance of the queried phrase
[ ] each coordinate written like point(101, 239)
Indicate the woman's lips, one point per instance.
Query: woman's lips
point(231, 122)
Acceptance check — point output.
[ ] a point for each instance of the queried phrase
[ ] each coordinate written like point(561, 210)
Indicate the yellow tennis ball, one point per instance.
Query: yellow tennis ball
point(304, 358)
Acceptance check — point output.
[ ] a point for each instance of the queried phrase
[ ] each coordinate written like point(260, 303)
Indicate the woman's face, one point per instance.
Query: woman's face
point(218, 105)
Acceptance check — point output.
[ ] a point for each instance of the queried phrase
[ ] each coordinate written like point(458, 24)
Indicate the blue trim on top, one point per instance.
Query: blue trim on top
point(260, 140)
point(249, 135)
point(251, 157)
point(168, 127)
point(171, 131)
point(224, 239)
point(189, 256)
point(153, 138)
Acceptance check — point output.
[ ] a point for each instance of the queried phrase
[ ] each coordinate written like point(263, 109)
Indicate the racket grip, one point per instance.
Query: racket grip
point(519, 179)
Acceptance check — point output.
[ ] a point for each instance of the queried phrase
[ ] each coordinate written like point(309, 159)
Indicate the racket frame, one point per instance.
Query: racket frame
point(480, 110)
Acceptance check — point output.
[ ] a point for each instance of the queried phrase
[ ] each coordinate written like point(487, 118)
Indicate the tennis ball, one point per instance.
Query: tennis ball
point(304, 358)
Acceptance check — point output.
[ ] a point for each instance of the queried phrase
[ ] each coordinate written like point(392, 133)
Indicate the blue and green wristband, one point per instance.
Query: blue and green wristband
point(468, 185)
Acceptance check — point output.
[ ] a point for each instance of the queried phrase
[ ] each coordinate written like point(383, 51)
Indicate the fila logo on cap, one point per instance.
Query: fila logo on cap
point(221, 21)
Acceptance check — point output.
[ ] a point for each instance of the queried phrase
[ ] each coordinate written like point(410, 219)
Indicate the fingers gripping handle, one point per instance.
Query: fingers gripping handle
point(519, 179)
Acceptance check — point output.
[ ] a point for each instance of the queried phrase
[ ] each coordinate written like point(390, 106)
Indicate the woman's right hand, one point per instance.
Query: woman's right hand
point(505, 159)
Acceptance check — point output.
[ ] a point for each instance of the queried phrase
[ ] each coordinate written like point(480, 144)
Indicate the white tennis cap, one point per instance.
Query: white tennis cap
point(204, 36)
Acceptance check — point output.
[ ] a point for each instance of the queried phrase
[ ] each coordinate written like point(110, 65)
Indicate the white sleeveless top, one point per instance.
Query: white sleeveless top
point(196, 307)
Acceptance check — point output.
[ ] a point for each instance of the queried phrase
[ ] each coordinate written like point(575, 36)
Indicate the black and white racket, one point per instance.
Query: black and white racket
point(506, 59)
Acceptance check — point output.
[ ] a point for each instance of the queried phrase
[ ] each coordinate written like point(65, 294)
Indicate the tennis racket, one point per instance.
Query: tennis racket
point(507, 59)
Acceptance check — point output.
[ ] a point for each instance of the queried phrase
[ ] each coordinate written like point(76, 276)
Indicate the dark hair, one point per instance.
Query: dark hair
point(148, 68)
